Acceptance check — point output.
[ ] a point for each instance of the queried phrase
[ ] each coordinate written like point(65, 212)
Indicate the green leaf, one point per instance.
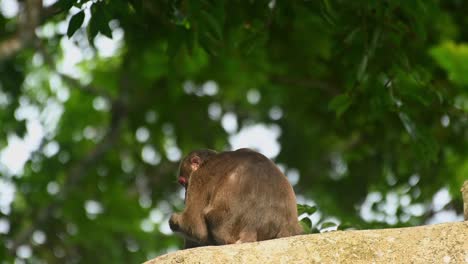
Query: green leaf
point(328, 13)
point(426, 145)
point(327, 225)
point(344, 226)
point(212, 24)
point(99, 22)
point(20, 128)
point(93, 30)
point(453, 58)
point(352, 35)
point(306, 224)
point(176, 40)
point(461, 102)
point(362, 67)
point(408, 124)
point(329, 9)
point(340, 104)
point(304, 208)
point(105, 29)
point(66, 4)
point(75, 23)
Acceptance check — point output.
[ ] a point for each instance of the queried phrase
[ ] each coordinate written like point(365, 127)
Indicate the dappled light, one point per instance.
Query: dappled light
point(361, 105)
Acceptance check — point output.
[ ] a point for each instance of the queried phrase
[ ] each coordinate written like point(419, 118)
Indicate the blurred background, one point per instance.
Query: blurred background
point(362, 104)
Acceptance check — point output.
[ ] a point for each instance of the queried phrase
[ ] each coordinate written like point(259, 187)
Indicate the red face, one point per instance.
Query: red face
point(187, 167)
point(183, 181)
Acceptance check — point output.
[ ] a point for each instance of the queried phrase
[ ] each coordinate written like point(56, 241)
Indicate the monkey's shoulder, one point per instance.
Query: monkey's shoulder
point(244, 154)
point(245, 150)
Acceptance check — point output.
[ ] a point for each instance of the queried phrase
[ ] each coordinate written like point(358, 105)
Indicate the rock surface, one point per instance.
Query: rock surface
point(441, 243)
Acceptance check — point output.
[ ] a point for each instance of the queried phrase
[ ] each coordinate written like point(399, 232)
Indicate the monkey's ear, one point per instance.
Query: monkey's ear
point(195, 162)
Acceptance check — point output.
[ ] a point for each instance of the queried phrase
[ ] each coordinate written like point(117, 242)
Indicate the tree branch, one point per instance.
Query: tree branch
point(29, 18)
point(31, 15)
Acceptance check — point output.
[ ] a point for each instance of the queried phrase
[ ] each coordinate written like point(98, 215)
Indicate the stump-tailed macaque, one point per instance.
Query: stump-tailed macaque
point(234, 197)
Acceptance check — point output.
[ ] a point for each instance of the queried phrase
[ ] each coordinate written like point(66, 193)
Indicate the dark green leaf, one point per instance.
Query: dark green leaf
point(105, 29)
point(99, 22)
point(340, 104)
point(75, 23)
point(306, 224)
point(304, 208)
point(362, 68)
point(212, 24)
point(66, 4)
point(327, 225)
point(344, 226)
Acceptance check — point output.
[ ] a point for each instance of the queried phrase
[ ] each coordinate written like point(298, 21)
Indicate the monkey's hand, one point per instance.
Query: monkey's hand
point(195, 231)
point(174, 222)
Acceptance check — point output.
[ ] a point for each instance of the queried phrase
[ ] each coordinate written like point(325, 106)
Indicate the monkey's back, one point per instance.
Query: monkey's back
point(253, 200)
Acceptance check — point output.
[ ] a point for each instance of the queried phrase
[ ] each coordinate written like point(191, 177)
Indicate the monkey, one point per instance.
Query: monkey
point(234, 197)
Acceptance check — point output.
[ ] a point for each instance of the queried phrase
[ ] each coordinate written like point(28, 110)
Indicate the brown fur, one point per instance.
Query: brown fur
point(235, 197)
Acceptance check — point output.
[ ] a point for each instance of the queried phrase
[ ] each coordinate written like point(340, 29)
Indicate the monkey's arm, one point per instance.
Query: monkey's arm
point(191, 225)
point(191, 222)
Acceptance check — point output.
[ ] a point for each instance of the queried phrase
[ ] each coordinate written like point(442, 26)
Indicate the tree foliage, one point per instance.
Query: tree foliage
point(370, 98)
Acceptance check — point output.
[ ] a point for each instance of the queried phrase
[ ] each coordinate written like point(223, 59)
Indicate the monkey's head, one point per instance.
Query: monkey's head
point(191, 163)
